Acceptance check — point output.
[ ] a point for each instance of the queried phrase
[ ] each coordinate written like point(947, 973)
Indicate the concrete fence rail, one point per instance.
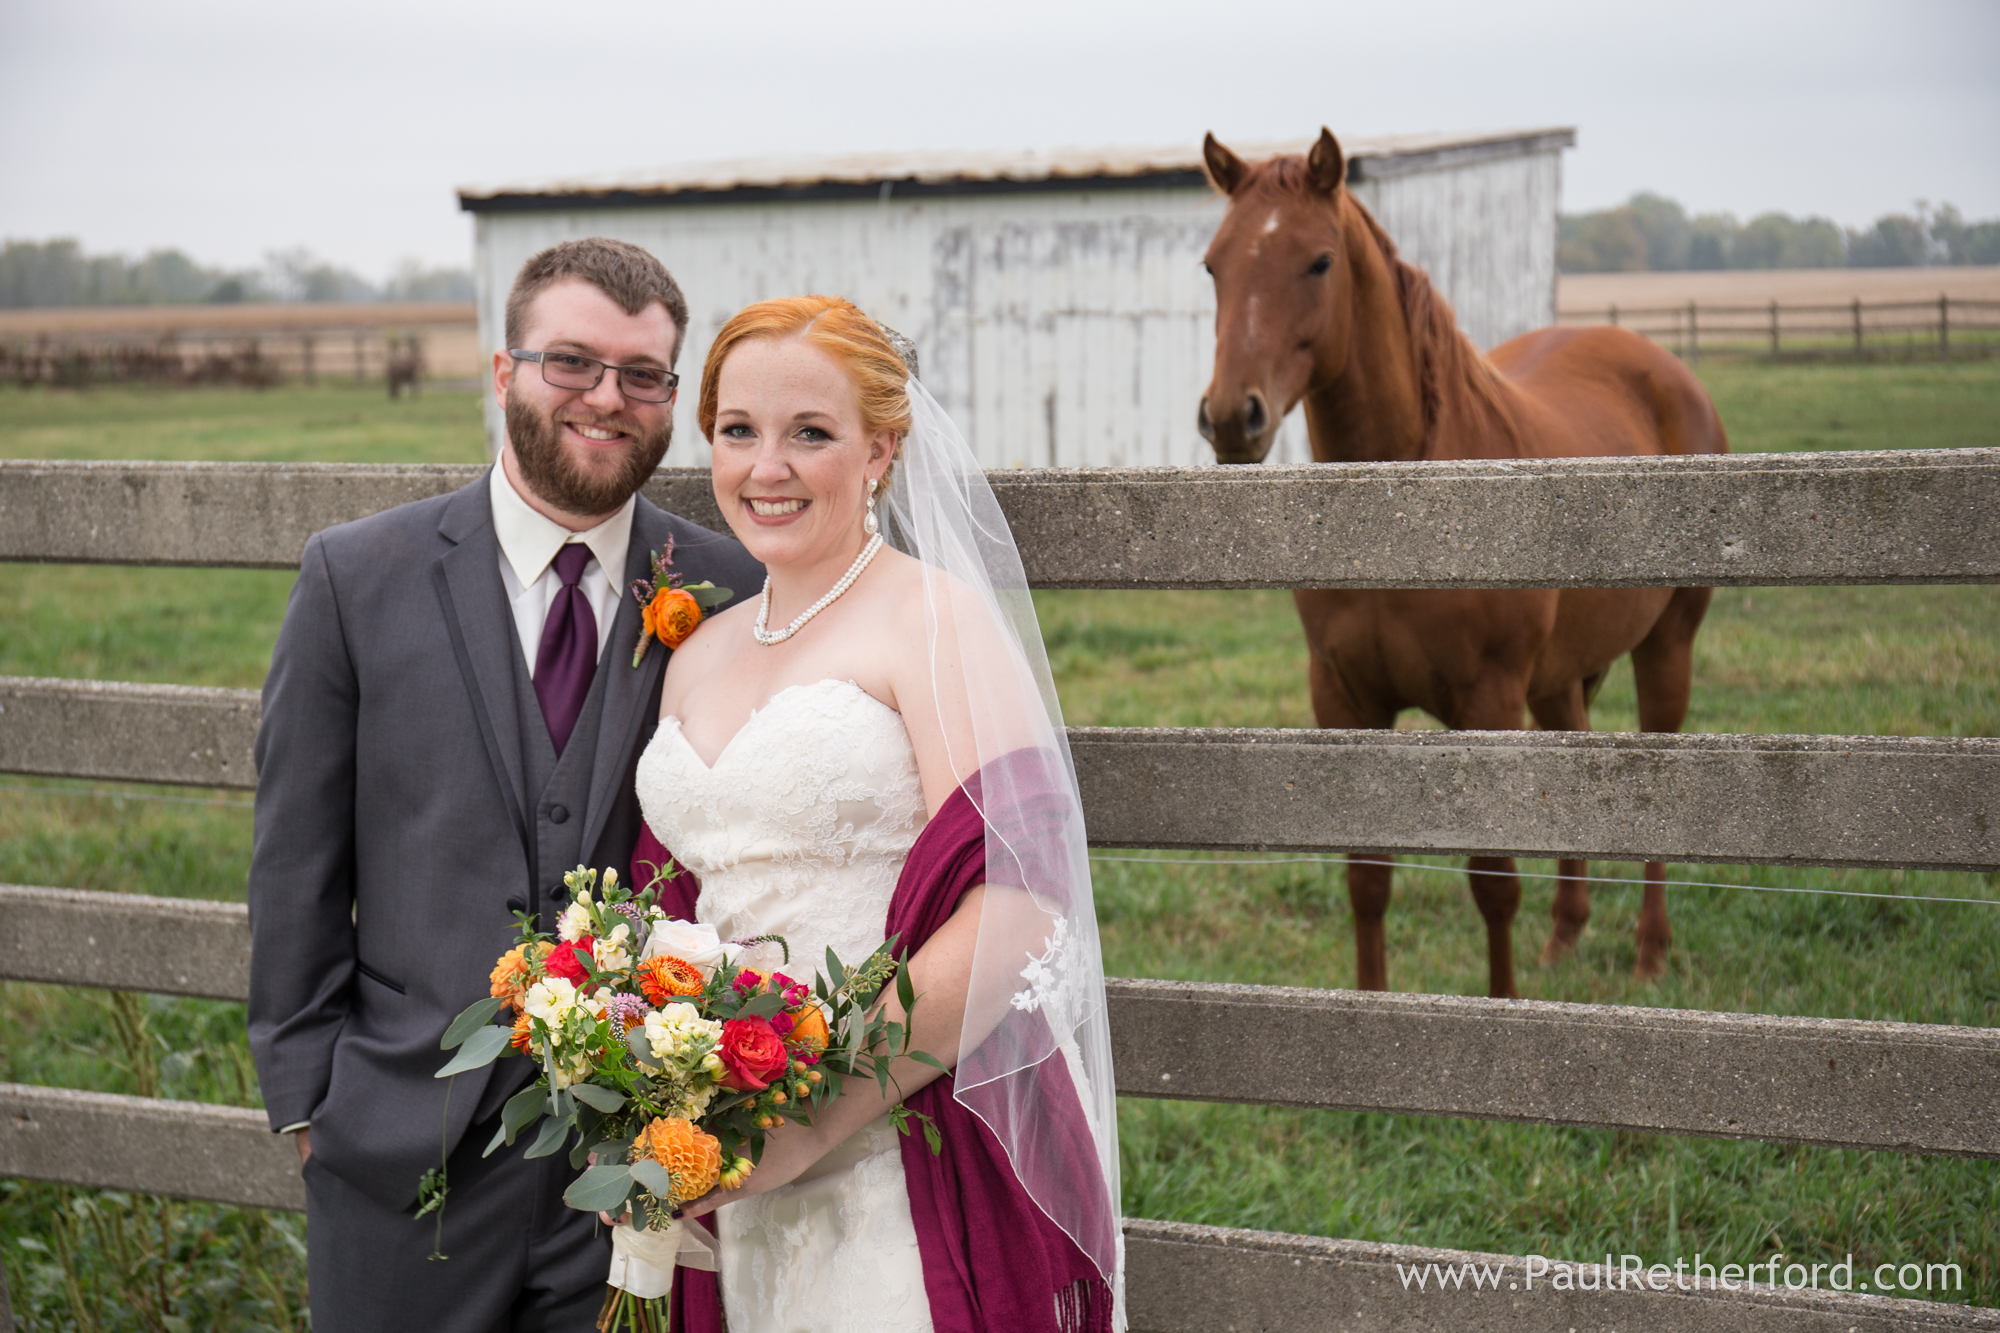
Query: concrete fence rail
point(1902, 1087)
point(1180, 1278)
point(1789, 800)
point(1916, 516)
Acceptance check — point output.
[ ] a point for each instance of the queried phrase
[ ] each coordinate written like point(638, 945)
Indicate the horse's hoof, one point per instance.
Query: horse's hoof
point(1650, 967)
point(1557, 950)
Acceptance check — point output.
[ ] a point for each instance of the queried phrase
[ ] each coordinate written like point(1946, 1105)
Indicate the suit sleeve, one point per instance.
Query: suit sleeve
point(302, 861)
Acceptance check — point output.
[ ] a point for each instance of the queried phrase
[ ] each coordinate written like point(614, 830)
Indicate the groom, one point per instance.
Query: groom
point(451, 722)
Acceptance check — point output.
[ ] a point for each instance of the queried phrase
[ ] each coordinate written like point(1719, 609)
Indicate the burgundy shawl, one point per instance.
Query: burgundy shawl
point(993, 1261)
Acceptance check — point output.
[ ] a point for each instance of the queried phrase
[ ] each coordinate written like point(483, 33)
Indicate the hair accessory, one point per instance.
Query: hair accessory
point(767, 637)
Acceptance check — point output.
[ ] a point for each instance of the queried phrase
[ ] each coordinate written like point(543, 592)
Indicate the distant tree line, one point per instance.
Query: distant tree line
point(59, 273)
point(1649, 231)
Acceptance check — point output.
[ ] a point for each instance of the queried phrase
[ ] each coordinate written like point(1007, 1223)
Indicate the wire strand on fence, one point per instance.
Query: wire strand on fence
point(1530, 874)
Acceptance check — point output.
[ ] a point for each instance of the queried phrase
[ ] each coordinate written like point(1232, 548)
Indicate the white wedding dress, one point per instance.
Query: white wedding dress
point(800, 829)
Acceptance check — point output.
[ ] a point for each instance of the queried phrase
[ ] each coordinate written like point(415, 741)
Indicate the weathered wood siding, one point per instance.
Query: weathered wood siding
point(1060, 328)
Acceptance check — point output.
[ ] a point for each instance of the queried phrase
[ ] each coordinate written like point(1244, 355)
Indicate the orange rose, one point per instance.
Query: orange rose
point(663, 976)
point(808, 1030)
point(672, 615)
point(693, 1158)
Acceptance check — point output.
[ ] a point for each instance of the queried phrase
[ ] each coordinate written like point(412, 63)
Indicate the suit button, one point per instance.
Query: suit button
point(517, 904)
point(559, 814)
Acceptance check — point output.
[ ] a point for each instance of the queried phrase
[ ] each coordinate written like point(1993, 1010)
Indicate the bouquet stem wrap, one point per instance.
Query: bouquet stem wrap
point(643, 1261)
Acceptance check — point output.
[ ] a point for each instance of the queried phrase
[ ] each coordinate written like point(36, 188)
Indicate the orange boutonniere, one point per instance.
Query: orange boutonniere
point(670, 612)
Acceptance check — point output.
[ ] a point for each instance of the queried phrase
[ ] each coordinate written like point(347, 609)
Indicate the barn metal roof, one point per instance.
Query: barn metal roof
point(943, 172)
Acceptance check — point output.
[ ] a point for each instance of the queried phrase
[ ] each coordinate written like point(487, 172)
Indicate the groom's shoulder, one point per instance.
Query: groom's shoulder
point(699, 552)
point(407, 531)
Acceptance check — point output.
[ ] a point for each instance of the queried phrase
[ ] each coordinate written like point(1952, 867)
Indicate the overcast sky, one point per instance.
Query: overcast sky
point(229, 129)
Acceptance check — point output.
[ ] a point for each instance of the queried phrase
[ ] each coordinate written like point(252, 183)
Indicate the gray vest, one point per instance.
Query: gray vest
point(558, 813)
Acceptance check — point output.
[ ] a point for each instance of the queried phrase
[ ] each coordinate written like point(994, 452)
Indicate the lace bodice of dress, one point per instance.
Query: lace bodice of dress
point(801, 826)
point(800, 829)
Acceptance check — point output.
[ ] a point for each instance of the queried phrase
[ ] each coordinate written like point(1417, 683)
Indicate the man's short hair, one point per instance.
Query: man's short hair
point(627, 274)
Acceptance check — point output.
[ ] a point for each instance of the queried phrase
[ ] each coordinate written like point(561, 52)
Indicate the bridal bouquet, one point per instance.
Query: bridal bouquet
point(663, 1065)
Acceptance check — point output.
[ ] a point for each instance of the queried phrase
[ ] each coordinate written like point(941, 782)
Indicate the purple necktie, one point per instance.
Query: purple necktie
point(567, 660)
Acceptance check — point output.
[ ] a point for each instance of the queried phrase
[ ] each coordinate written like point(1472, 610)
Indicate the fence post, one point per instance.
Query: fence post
point(1694, 337)
point(306, 348)
point(1944, 327)
point(1857, 328)
point(1614, 316)
point(360, 359)
point(1774, 328)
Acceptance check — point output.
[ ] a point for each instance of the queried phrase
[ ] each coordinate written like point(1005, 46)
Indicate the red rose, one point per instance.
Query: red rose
point(565, 962)
point(753, 1054)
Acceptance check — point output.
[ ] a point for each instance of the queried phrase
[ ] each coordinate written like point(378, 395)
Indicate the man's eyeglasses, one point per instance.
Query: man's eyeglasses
point(572, 370)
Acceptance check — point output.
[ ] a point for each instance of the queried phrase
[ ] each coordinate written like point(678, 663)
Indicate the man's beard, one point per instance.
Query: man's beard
point(554, 476)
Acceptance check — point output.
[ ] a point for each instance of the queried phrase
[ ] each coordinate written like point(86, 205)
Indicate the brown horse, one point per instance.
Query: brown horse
point(1313, 305)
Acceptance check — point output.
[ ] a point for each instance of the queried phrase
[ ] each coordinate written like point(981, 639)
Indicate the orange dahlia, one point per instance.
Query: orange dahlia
point(663, 977)
point(511, 976)
point(693, 1158)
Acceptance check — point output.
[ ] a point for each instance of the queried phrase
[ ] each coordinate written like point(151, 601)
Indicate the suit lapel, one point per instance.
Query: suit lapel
point(627, 689)
point(482, 633)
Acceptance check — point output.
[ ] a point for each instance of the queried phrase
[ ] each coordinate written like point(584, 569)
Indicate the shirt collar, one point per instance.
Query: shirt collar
point(529, 540)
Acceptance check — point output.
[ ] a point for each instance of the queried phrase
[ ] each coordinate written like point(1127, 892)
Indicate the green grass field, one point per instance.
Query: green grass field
point(1905, 661)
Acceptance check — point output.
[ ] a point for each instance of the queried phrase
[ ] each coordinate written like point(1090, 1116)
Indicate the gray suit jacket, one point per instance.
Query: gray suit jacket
point(391, 848)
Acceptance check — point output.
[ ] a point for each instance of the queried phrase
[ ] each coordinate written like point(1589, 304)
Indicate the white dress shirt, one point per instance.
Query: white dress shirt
point(528, 545)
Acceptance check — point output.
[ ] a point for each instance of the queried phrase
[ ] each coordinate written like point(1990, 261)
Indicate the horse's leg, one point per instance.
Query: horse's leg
point(1663, 670)
point(1570, 913)
point(1337, 704)
point(1495, 705)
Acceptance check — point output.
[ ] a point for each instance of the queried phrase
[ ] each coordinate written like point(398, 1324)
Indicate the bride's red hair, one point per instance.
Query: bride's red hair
point(837, 327)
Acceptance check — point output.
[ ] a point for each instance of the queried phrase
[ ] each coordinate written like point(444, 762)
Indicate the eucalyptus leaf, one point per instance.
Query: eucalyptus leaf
point(654, 1177)
point(523, 1109)
point(499, 1137)
point(475, 1017)
point(706, 595)
point(906, 993)
point(600, 1188)
point(546, 1143)
point(925, 1057)
point(604, 1099)
point(834, 971)
point(482, 1048)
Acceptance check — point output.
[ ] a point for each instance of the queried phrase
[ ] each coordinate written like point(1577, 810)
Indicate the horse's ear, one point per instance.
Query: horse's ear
point(1326, 162)
point(1224, 168)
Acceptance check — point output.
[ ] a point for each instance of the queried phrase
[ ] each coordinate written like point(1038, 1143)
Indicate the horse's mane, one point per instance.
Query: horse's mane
point(1454, 378)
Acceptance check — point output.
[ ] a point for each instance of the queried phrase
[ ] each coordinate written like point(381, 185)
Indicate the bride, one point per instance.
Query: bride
point(873, 748)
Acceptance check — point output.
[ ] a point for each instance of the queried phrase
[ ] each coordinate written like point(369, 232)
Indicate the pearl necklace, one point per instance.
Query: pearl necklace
point(767, 637)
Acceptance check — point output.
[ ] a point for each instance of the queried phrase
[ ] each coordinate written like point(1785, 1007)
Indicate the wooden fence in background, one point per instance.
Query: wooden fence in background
point(254, 345)
point(1948, 328)
point(1915, 517)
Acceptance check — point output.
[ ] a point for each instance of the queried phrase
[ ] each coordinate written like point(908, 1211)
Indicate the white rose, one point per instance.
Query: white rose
point(693, 941)
point(574, 923)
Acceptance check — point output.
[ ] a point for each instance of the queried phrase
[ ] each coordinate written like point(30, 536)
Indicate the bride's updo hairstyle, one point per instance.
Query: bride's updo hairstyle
point(837, 327)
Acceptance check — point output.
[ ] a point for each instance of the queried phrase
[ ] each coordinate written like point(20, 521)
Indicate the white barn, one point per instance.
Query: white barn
point(1056, 298)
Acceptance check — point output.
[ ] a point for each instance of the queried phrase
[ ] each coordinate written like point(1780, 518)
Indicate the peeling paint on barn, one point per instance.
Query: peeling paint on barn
point(1057, 298)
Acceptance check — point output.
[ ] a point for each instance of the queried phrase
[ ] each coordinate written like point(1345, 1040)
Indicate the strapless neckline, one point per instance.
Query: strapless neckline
point(759, 714)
